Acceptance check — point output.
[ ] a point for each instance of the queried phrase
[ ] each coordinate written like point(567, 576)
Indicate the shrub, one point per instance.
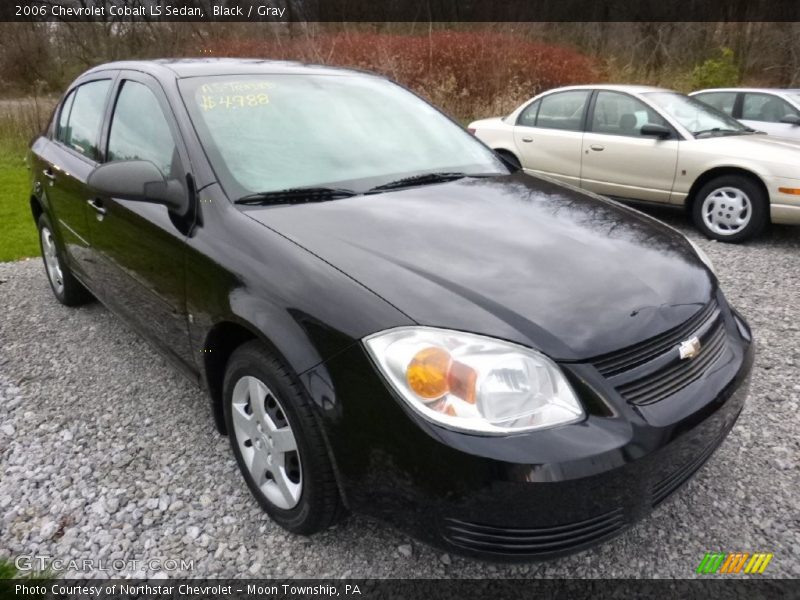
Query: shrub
point(469, 74)
point(716, 72)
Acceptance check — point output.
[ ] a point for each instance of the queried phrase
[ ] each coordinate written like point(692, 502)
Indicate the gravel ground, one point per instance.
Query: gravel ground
point(106, 453)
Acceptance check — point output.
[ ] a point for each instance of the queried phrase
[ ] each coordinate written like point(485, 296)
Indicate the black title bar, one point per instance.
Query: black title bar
point(401, 10)
point(405, 589)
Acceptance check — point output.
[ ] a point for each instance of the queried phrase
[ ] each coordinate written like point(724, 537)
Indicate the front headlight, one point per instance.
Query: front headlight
point(474, 383)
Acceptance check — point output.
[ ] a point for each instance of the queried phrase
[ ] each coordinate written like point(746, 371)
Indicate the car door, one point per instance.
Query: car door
point(549, 132)
point(764, 112)
point(140, 247)
point(617, 159)
point(66, 162)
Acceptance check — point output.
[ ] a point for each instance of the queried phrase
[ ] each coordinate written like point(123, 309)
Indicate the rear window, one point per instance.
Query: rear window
point(723, 101)
point(81, 117)
point(62, 128)
point(563, 110)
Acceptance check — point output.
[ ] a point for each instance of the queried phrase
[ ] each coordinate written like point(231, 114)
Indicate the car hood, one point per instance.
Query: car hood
point(513, 257)
point(759, 146)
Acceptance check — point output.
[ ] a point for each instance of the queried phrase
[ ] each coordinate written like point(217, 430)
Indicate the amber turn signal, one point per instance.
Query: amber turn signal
point(427, 373)
point(432, 373)
point(793, 191)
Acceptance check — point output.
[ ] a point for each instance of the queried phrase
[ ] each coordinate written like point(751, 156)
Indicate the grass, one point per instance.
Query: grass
point(17, 230)
point(10, 576)
point(20, 119)
point(7, 570)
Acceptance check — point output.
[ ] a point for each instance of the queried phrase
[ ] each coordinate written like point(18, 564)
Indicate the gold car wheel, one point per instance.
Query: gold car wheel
point(727, 211)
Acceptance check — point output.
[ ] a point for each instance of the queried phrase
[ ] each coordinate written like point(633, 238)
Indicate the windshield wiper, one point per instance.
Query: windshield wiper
point(717, 130)
point(307, 194)
point(423, 179)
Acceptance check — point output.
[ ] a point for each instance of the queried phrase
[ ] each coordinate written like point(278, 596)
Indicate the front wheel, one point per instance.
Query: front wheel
point(731, 208)
point(277, 442)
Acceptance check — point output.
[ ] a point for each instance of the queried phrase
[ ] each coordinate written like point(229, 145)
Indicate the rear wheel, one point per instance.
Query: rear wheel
point(67, 290)
point(731, 208)
point(277, 442)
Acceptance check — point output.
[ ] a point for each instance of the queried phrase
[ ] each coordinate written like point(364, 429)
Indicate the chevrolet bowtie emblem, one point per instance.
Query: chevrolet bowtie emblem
point(689, 348)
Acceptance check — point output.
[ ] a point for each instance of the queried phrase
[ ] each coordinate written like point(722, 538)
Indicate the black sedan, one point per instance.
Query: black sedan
point(386, 316)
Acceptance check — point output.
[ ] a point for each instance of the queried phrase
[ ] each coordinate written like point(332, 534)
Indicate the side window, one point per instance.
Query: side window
point(723, 101)
point(139, 129)
point(62, 129)
point(563, 110)
point(765, 107)
point(527, 118)
point(620, 114)
point(82, 129)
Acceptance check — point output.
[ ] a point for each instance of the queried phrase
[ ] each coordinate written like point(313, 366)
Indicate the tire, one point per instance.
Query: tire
point(731, 208)
point(297, 488)
point(510, 159)
point(67, 290)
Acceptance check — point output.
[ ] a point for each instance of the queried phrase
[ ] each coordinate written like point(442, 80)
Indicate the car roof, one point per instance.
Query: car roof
point(630, 88)
point(179, 68)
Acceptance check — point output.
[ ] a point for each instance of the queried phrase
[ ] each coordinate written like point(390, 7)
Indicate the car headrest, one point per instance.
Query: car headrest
point(772, 111)
point(627, 122)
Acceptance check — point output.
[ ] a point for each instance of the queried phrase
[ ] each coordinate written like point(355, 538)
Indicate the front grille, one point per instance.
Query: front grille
point(674, 378)
point(666, 486)
point(628, 358)
point(532, 541)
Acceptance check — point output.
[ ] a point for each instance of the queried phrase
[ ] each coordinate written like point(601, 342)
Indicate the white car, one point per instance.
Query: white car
point(652, 144)
point(774, 111)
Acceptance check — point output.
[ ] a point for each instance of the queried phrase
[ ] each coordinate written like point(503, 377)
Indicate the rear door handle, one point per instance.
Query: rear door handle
point(97, 206)
point(49, 174)
point(597, 147)
point(527, 139)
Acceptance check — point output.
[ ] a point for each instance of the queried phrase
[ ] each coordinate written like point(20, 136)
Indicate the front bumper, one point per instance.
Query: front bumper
point(527, 496)
point(784, 208)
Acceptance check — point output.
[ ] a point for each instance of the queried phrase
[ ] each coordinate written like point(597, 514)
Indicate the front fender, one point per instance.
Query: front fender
point(691, 174)
point(243, 274)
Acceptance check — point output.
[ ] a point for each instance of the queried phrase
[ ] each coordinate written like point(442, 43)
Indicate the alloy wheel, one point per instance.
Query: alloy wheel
point(50, 255)
point(267, 442)
point(727, 210)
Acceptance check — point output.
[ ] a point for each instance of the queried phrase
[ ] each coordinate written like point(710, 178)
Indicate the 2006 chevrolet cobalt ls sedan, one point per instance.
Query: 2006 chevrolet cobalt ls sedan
point(387, 317)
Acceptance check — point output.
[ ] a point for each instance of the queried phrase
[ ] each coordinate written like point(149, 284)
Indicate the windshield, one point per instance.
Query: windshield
point(265, 133)
point(696, 116)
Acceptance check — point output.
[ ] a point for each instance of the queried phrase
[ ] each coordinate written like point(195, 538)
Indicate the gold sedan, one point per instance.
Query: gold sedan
point(655, 145)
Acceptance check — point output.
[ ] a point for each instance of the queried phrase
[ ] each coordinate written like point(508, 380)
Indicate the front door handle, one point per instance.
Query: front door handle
point(97, 205)
point(49, 174)
point(597, 147)
point(527, 139)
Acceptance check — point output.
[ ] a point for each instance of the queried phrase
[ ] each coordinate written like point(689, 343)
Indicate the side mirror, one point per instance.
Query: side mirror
point(655, 130)
point(791, 120)
point(141, 181)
